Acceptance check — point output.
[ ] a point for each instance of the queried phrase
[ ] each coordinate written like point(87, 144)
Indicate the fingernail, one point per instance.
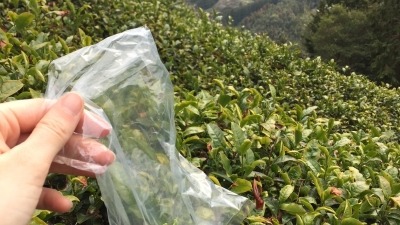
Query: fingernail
point(111, 157)
point(72, 102)
point(70, 204)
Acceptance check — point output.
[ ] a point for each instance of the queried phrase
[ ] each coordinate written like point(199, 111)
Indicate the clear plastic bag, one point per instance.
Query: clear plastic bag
point(124, 82)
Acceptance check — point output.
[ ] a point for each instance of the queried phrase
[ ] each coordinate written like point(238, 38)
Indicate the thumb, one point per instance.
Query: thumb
point(54, 129)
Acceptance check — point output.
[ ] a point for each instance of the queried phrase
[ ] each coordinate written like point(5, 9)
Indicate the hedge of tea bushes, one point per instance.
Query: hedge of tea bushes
point(306, 143)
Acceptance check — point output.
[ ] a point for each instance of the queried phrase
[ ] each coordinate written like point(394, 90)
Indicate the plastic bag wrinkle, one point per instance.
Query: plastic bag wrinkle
point(123, 80)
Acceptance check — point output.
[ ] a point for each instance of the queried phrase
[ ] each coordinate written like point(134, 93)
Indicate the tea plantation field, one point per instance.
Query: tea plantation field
point(305, 143)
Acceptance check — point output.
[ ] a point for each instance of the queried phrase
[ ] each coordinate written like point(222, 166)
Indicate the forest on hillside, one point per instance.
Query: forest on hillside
point(282, 20)
point(361, 36)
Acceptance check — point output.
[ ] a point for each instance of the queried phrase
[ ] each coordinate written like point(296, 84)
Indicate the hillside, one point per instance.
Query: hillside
point(305, 143)
point(282, 20)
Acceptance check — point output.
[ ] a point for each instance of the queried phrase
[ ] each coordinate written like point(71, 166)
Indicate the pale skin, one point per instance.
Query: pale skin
point(32, 133)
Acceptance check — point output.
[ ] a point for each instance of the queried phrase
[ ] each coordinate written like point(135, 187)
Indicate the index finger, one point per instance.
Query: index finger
point(57, 126)
point(21, 117)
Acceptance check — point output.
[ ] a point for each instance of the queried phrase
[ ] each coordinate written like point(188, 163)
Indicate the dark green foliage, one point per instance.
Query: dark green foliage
point(204, 4)
point(344, 36)
point(309, 145)
point(361, 34)
point(351, 4)
point(242, 12)
point(283, 21)
point(385, 21)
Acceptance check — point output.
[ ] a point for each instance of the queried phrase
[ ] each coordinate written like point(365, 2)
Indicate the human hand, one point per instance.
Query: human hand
point(32, 132)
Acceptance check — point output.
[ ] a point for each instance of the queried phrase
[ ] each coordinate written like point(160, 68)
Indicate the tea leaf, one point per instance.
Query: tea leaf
point(384, 184)
point(325, 208)
point(273, 205)
point(299, 220)
point(241, 186)
point(396, 201)
point(309, 110)
point(9, 87)
point(303, 201)
point(216, 135)
point(214, 180)
point(293, 208)
point(345, 210)
point(317, 184)
point(250, 119)
point(344, 141)
point(224, 100)
point(272, 90)
point(193, 130)
point(238, 135)
point(309, 218)
point(226, 163)
point(244, 146)
point(37, 221)
point(285, 192)
point(23, 20)
point(351, 221)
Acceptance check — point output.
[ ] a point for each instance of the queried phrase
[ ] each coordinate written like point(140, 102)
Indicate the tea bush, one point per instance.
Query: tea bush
point(306, 143)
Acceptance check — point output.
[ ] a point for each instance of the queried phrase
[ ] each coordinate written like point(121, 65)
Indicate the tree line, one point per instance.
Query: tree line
point(362, 36)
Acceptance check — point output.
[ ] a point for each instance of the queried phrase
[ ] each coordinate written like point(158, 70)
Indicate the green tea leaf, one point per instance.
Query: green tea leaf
point(384, 184)
point(250, 119)
point(33, 5)
point(72, 198)
point(356, 188)
point(309, 218)
point(36, 74)
point(345, 210)
point(216, 135)
point(183, 104)
point(273, 205)
point(272, 90)
point(351, 221)
point(220, 83)
point(317, 184)
point(342, 142)
point(326, 209)
point(260, 219)
point(37, 221)
point(226, 163)
point(241, 186)
point(214, 179)
point(309, 110)
point(285, 177)
point(9, 88)
point(285, 192)
point(299, 220)
point(285, 158)
point(304, 201)
point(312, 164)
point(298, 134)
point(244, 146)
point(193, 130)
point(23, 20)
point(293, 208)
point(15, 3)
point(223, 100)
point(258, 162)
point(71, 6)
point(396, 201)
point(238, 135)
